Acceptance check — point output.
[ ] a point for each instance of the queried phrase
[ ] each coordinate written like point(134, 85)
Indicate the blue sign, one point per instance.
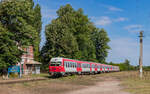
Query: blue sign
point(14, 69)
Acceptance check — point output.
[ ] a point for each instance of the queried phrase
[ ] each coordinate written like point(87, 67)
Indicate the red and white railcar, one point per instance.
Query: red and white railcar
point(62, 66)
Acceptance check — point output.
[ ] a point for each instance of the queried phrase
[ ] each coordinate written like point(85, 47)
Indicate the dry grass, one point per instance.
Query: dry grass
point(129, 80)
point(133, 83)
point(51, 86)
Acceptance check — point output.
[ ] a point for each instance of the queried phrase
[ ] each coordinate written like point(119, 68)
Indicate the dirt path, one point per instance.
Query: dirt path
point(87, 84)
point(108, 86)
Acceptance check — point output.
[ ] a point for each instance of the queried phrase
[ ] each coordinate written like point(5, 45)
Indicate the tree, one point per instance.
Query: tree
point(9, 51)
point(17, 29)
point(101, 39)
point(59, 42)
point(124, 66)
point(38, 26)
point(70, 35)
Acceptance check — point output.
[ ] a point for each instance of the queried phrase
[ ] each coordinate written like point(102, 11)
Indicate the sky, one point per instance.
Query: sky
point(122, 19)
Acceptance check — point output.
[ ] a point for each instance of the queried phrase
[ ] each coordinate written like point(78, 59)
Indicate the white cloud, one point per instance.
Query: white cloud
point(120, 19)
point(48, 13)
point(112, 8)
point(134, 28)
point(104, 20)
point(128, 48)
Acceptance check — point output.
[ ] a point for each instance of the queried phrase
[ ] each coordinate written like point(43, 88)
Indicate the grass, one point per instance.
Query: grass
point(133, 83)
point(81, 79)
point(129, 80)
point(26, 84)
point(40, 75)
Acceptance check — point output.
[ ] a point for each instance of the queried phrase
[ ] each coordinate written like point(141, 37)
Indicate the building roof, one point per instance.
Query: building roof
point(33, 62)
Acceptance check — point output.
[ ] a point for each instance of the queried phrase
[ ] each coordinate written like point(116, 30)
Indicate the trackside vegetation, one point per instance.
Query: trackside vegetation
point(73, 35)
point(20, 26)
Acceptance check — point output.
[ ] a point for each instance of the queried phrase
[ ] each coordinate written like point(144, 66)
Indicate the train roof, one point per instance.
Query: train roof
point(60, 59)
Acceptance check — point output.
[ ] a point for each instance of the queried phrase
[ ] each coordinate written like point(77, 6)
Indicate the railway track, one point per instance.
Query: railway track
point(21, 80)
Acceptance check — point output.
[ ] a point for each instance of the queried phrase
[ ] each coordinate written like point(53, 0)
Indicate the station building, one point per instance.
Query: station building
point(28, 64)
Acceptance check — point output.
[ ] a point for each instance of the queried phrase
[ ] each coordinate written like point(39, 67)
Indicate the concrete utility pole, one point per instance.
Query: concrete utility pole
point(141, 54)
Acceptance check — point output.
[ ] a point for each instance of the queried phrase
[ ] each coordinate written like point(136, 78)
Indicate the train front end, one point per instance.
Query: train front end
point(56, 67)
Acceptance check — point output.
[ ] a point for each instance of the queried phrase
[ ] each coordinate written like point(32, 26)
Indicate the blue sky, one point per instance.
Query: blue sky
point(122, 19)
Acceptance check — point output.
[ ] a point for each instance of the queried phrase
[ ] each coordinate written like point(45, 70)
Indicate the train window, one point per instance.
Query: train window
point(70, 64)
point(82, 65)
point(64, 64)
point(55, 64)
point(79, 65)
point(73, 65)
point(93, 66)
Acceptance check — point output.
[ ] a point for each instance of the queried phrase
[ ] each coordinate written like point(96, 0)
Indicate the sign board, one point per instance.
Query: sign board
point(14, 69)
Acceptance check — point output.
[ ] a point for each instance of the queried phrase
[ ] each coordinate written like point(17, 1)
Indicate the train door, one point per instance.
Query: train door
point(79, 69)
point(66, 66)
point(96, 68)
point(93, 68)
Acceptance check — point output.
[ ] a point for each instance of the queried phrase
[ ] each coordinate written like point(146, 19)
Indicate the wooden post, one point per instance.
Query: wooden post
point(141, 54)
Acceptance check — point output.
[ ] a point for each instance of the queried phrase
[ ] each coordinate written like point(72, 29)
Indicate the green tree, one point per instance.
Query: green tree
point(19, 29)
point(101, 39)
point(124, 66)
point(71, 35)
point(38, 26)
point(9, 51)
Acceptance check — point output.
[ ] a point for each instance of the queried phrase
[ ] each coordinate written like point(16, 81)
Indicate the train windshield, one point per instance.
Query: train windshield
point(55, 63)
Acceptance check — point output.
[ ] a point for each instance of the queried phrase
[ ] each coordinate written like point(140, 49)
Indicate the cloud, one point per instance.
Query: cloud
point(128, 48)
point(48, 13)
point(104, 20)
point(120, 19)
point(134, 28)
point(112, 8)
point(123, 48)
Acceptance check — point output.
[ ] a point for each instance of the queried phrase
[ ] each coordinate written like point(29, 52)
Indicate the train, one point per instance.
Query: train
point(59, 66)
